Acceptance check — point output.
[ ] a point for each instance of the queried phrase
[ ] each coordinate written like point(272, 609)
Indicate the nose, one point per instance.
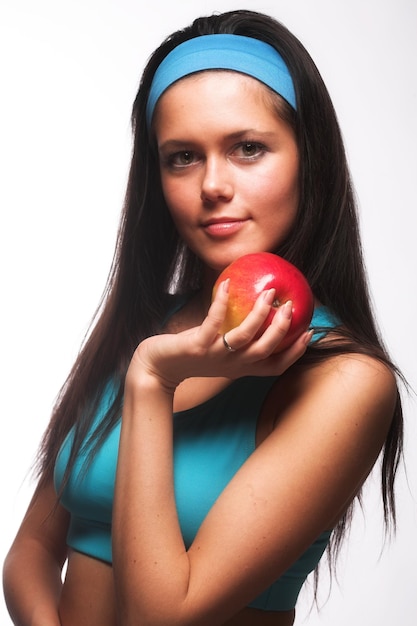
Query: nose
point(217, 184)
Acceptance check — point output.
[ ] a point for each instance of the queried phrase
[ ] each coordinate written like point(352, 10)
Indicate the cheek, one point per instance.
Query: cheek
point(178, 205)
point(281, 192)
point(177, 192)
point(286, 188)
point(172, 196)
point(290, 194)
point(277, 188)
point(166, 188)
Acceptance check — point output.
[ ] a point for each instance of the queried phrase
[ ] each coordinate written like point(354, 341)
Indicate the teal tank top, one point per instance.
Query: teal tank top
point(211, 442)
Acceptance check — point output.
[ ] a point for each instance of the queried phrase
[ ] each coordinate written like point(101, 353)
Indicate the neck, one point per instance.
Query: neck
point(198, 306)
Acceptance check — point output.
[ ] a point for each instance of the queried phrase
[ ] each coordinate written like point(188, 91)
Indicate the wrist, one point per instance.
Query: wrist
point(146, 383)
point(145, 373)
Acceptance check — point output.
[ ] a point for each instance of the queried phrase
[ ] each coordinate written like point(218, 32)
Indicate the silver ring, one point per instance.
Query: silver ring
point(227, 344)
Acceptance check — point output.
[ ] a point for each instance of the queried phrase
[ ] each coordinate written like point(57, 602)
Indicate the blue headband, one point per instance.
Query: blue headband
point(228, 52)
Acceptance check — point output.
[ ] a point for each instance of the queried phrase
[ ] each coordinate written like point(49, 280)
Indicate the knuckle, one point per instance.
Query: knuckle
point(198, 350)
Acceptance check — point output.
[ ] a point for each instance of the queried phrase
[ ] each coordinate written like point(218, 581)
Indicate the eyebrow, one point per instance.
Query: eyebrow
point(172, 144)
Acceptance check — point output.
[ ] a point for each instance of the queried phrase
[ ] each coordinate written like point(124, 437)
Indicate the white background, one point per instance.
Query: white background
point(69, 73)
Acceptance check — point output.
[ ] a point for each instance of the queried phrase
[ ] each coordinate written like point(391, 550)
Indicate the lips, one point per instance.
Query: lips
point(224, 227)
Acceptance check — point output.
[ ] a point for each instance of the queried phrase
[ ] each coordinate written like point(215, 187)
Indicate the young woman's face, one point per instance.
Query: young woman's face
point(229, 166)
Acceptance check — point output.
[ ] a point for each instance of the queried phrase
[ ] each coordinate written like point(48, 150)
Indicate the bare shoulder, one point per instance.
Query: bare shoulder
point(349, 391)
point(357, 376)
point(331, 421)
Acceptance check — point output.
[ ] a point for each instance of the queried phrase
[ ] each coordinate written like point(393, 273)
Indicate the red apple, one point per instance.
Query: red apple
point(253, 273)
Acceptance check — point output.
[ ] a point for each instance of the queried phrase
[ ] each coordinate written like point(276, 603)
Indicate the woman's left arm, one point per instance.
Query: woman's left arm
point(289, 491)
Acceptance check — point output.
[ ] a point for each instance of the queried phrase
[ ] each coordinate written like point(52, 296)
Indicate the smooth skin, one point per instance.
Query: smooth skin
point(227, 159)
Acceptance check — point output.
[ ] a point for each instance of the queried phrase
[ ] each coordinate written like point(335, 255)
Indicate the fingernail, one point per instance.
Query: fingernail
point(286, 309)
point(308, 337)
point(269, 295)
point(225, 285)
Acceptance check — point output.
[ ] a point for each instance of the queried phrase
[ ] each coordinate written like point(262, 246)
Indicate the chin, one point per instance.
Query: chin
point(220, 263)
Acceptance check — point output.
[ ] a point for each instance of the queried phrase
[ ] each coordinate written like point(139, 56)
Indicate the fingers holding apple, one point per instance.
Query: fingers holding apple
point(253, 274)
point(254, 333)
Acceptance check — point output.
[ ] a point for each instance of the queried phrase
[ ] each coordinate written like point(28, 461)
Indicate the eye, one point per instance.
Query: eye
point(249, 150)
point(183, 158)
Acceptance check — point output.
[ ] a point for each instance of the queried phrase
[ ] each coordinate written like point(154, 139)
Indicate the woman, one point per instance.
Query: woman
point(184, 482)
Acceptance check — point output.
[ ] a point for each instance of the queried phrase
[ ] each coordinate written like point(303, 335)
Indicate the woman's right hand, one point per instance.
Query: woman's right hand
point(201, 351)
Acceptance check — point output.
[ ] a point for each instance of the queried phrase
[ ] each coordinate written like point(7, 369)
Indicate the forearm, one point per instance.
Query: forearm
point(157, 581)
point(149, 558)
point(32, 587)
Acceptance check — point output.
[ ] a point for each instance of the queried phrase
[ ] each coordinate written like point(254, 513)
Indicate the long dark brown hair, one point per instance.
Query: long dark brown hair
point(324, 243)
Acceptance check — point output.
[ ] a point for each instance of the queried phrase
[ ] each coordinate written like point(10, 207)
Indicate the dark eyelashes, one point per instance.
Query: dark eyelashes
point(249, 150)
